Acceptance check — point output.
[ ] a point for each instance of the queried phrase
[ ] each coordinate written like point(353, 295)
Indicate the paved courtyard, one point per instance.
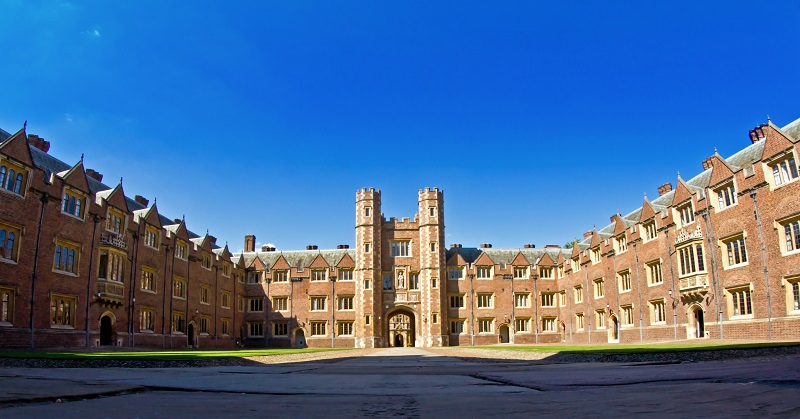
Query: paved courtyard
point(410, 382)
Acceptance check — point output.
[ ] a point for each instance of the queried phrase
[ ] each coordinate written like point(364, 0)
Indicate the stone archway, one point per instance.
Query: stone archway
point(696, 327)
point(299, 338)
point(106, 330)
point(504, 333)
point(401, 328)
point(613, 329)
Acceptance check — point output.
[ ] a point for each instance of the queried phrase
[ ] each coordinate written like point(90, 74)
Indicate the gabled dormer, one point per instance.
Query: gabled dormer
point(484, 267)
point(683, 205)
point(16, 165)
point(520, 266)
point(75, 191)
point(779, 157)
point(722, 185)
point(648, 226)
point(113, 200)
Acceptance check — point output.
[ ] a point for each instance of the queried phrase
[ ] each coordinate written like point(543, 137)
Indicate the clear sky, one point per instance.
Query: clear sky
point(539, 120)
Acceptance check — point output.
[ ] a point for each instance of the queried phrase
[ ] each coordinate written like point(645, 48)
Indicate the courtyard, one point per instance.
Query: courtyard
point(412, 382)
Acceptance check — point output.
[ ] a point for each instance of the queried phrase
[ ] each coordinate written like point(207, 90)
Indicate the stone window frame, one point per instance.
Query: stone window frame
point(738, 297)
point(655, 263)
point(624, 279)
point(727, 249)
point(280, 303)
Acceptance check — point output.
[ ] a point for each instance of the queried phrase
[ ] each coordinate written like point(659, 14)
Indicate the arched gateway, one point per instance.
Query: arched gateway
point(401, 328)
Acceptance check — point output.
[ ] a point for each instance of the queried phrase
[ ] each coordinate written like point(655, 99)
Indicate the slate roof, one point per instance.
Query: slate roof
point(296, 258)
point(792, 129)
point(3, 135)
point(506, 256)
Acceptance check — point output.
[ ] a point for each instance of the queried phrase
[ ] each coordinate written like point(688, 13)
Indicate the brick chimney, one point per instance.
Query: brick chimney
point(707, 163)
point(486, 245)
point(212, 239)
point(587, 234)
point(94, 175)
point(664, 188)
point(249, 243)
point(39, 142)
point(757, 133)
point(141, 200)
point(530, 246)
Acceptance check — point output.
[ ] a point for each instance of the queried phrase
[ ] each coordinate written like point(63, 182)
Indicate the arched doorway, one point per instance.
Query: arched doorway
point(401, 329)
point(106, 330)
point(190, 335)
point(563, 332)
point(299, 338)
point(699, 323)
point(613, 329)
point(504, 335)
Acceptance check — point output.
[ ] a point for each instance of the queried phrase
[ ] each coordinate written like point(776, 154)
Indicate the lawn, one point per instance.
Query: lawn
point(644, 348)
point(162, 355)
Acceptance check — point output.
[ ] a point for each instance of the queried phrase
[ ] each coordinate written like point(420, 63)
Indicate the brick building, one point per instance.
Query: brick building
point(717, 255)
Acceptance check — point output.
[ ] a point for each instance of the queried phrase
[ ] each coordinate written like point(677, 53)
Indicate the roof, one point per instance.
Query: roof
point(792, 129)
point(505, 256)
point(3, 135)
point(296, 258)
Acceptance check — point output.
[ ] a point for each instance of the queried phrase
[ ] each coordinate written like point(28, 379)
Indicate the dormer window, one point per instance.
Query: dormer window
point(115, 221)
point(650, 231)
point(726, 196)
point(72, 204)
point(783, 171)
point(687, 213)
point(12, 177)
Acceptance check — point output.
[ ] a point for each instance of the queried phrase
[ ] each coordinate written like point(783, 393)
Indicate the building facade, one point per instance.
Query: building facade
point(715, 256)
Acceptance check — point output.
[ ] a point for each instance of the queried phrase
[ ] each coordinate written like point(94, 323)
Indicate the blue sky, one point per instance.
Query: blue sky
point(539, 120)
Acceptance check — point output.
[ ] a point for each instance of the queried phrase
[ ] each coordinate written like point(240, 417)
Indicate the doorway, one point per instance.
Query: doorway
point(299, 339)
point(613, 330)
point(106, 331)
point(190, 335)
point(401, 329)
point(504, 335)
point(699, 323)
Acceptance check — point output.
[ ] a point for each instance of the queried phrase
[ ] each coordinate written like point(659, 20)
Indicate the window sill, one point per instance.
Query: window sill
point(72, 216)
point(66, 273)
point(8, 261)
point(149, 291)
point(658, 323)
point(791, 252)
point(5, 324)
point(204, 303)
point(62, 326)
point(146, 331)
point(729, 206)
point(741, 317)
point(656, 284)
point(14, 194)
point(778, 186)
point(178, 298)
point(150, 247)
point(624, 291)
point(739, 265)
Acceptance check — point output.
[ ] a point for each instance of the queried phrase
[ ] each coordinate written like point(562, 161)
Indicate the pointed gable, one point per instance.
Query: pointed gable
point(484, 260)
point(619, 224)
point(346, 262)
point(456, 260)
point(595, 239)
point(682, 192)
point(181, 231)
point(561, 259)
point(774, 143)
point(16, 147)
point(720, 171)
point(520, 260)
point(115, 198)
point(648, 211)
point(281, 263)
point(152, 218)
point(319, 262)
point(546, 260)
point(258, 264)
point(576, 250)
point(76, 177)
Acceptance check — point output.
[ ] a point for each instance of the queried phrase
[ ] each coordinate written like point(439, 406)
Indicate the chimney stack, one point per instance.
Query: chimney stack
point(249, 243)
point(94, 175)
point(486, 245)
point(707, 163)
point(757, 133)
point(530, 246)
point(39, 142)
point(664, 188)
point(141, 200)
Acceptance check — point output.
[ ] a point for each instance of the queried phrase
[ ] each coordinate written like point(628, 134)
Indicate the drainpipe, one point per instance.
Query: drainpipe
point(534, 277)
point(617, 327)
point(164, 299)
point(764, 261)
point(472, 311)
point(44, 200)
point(569, 305)
point(266, 312)
point(216, 296)
point(670, 252)
point(172, 290)
point(188, 281)
point(638, 289)
point(714, 267)
point(333, 309)
point(588, 316)
point(95, 219)
point(131, 296)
